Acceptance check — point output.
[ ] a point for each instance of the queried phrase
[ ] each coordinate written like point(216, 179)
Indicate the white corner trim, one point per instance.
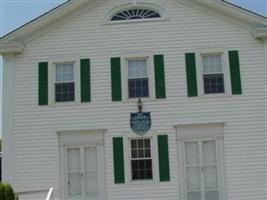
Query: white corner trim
point(260, 33)
point(7, 154)
point(118, 8)
point(6, 48)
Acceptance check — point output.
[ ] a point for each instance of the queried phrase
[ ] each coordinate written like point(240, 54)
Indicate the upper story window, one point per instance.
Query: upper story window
point(213, 76)
point(135, 14)
point(138, 80)
point(64, 85)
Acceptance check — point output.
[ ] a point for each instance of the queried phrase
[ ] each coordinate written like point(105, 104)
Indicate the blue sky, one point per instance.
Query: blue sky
point(14, 13)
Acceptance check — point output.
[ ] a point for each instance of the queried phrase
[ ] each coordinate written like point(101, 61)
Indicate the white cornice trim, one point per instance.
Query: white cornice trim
point(238, 12)
point(230, 10)
point(9, 48)
point(260, 33)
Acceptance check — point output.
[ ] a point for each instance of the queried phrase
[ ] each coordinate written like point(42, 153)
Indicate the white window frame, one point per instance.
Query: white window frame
point(130, 5)
point(128, 78)
point(81, 139)
point(201, 132)
point(150, 73)
point(52, 79)
point(145, 158)
point(225, 70)
point(55, 81)
point(127, 157)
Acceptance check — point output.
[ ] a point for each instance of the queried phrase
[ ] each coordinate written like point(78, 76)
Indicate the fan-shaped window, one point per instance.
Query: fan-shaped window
point(135, 13)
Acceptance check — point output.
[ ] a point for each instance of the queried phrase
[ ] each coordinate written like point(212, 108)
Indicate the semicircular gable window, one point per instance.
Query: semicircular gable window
point(135, 14)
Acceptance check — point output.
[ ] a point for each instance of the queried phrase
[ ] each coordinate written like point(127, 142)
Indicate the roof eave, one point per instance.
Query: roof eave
point(236, 11)
point(42, 20)
point(11, 48)
point(260, 33)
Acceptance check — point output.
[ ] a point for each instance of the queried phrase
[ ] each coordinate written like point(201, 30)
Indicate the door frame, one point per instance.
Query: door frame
point(200, 132)
point(81, 139)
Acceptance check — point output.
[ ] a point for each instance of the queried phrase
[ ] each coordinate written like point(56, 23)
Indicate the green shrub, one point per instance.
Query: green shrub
point(6, 192)
point(2, 191)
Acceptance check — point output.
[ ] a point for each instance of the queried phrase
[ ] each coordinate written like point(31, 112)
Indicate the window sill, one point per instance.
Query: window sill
point(147, 99)
point(224, 95)
point(144, 182)
point(63, 104)
point(135, 21)
point(141, 181)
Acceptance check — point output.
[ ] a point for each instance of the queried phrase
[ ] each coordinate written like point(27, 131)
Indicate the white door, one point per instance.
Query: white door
point(201, 170)
point(90, 172)
point(74, 172)
point(83, 174)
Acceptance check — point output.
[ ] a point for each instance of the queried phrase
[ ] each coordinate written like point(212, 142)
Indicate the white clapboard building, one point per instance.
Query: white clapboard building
point(73, 121)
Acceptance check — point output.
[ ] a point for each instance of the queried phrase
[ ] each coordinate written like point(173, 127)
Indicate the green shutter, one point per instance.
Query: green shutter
point(191, 74)
point(116, 79)
point(85, 80)
point(43, 83)
point(118, 160)
point(159, 76)
point(163, 150)
point(235, 72)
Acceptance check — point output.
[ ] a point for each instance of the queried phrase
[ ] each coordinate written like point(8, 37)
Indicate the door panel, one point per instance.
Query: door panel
point(74, 172)
point(83, 172)
point(191, 154)
point(90, 170)
point(201, 170)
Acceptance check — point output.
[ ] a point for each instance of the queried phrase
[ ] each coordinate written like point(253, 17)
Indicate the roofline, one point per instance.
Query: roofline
point(237, 11)
point(247, 10)
point(35, 19)
point(43, 20)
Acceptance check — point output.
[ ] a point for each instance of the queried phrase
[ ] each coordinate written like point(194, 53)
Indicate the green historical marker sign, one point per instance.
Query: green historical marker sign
point(141, 121)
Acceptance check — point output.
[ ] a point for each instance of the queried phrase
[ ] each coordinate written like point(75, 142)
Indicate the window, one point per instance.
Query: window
point(213, 76)
point(135, 13)
point(141, 159)
point(201, 170)
point(64, 86)
point(138, 81)
point(82, 172)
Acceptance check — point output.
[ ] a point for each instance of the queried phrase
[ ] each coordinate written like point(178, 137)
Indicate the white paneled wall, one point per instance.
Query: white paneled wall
point(36, 150)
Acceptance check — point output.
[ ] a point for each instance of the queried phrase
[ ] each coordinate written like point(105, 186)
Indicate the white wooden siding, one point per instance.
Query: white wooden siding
point(36, 149)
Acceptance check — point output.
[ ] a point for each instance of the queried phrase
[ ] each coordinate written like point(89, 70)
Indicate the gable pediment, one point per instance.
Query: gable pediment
point(219, 8)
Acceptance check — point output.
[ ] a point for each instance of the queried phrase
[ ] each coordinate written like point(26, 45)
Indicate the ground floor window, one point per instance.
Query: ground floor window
point(141, 160)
